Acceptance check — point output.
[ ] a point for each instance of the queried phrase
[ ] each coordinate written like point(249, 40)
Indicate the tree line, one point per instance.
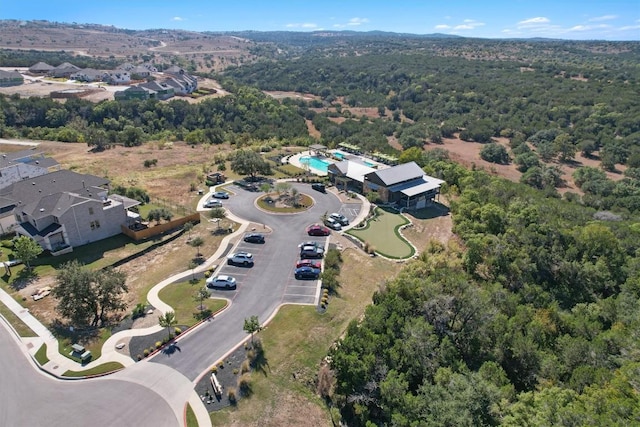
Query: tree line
point(534, 322)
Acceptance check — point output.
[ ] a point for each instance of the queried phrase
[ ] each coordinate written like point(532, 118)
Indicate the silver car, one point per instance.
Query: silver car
point(240, 258)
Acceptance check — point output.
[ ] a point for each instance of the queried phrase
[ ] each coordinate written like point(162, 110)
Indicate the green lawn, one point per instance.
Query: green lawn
point(20, 327)
point(180, 297)
point(192, 421)
point(100, 369)
point(41, 355)
point(381, 232)
point(92, 342)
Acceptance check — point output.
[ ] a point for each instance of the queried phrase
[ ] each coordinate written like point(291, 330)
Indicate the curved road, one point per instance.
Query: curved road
point(30, 398)
point(262, 289)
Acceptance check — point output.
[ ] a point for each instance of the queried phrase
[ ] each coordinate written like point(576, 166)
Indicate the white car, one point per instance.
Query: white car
point(221, 281)
point(240, 258)
point(213, 203)
point(333, 224)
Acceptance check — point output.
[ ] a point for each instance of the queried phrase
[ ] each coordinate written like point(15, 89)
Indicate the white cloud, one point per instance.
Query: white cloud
point(535, 21)
point(442, 27)
point(305, 25)
point(469, 24)
point(603, 18)
point(178, 18)
point(357, 21)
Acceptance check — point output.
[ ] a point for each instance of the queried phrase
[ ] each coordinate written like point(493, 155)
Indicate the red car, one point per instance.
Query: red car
point(318, 230)
point(313, 263)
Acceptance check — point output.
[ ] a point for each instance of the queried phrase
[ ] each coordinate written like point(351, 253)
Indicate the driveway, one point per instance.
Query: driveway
point(261, 288)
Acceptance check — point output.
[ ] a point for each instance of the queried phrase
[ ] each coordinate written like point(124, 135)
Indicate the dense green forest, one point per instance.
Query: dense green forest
point(535, 322)
point(246, 115)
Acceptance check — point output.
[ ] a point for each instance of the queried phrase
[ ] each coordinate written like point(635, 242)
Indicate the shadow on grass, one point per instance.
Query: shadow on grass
point(433, 211)
point(257, 358)
point(23, 279)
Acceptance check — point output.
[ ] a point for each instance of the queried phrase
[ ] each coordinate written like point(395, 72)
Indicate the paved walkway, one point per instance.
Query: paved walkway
point(140, 372)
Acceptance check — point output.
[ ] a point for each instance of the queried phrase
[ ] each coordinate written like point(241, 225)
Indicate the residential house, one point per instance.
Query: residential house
point(41, 68)
point(63, 70)
point(140, 71)
point(117, 77)
point(88, 75)
point(24, 164)
point(64, 209)
point(10, 78)
point(158, 90)
point(180, 80)
point(133, 92)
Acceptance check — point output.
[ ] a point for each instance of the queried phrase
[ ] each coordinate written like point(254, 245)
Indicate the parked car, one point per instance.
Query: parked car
point(313, 263)
point(307, 252)
point(220, 195)
point(340, 218)
point(318, 230)
point(319, 187)
point(213, 203)
point(306, 273)
point(311, 243)
point(221, 281)
point(254, 238)
point(333, 224)
point(240, 258)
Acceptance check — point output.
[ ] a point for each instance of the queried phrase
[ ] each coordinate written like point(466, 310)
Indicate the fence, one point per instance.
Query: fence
point(155, 230)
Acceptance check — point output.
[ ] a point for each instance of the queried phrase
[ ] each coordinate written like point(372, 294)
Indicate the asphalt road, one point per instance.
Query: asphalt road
point(30, 398)
point(261, 288)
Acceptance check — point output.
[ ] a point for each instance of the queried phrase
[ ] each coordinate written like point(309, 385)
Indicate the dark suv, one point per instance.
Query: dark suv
point(319, 187)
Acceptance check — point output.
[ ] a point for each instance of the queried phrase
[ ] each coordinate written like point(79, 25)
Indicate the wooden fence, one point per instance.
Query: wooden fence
point(155, 230)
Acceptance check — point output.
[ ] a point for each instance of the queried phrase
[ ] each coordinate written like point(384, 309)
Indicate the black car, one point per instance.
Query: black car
point(319, 187)
point(254, 238)
point(307, 273)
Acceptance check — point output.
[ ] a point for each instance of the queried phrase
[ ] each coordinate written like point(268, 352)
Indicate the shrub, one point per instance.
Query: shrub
point(214, 370)
point(231, 394)
point(235, 371)
point(152, 349)
point(138, 311)
point(139, 357)
point(244, 368)
point(495, 153)
point(158, 344)
point(146, 352)
point(244, 384)
point(177, 331)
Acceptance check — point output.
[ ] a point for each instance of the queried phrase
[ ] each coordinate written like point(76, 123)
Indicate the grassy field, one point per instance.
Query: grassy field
point(180, 297)
point(381, 232)
point(284, 393)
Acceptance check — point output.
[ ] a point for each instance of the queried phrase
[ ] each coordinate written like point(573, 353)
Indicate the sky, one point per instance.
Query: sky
point(564, 19)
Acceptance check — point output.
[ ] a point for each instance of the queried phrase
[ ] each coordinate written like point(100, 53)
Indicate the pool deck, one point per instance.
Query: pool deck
point(295, 160)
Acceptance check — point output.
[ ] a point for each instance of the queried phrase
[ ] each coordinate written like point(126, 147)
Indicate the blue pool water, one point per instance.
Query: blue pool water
point(339, 155)
point(371, 165)
point(315, 163)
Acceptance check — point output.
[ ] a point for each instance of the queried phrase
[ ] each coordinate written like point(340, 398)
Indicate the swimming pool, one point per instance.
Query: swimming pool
point(339, 155)
point(315, 163)
point(371, 165)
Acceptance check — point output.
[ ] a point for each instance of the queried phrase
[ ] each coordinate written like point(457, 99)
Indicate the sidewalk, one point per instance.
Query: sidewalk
point(59, 364)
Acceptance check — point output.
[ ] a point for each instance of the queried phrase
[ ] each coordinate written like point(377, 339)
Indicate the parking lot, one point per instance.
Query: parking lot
point(295, 291)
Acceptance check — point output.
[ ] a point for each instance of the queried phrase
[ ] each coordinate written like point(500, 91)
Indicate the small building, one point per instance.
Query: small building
point(406, 185)
point(10, 78)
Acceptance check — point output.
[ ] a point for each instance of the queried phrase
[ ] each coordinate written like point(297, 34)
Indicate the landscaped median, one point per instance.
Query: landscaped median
point(381, 235)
